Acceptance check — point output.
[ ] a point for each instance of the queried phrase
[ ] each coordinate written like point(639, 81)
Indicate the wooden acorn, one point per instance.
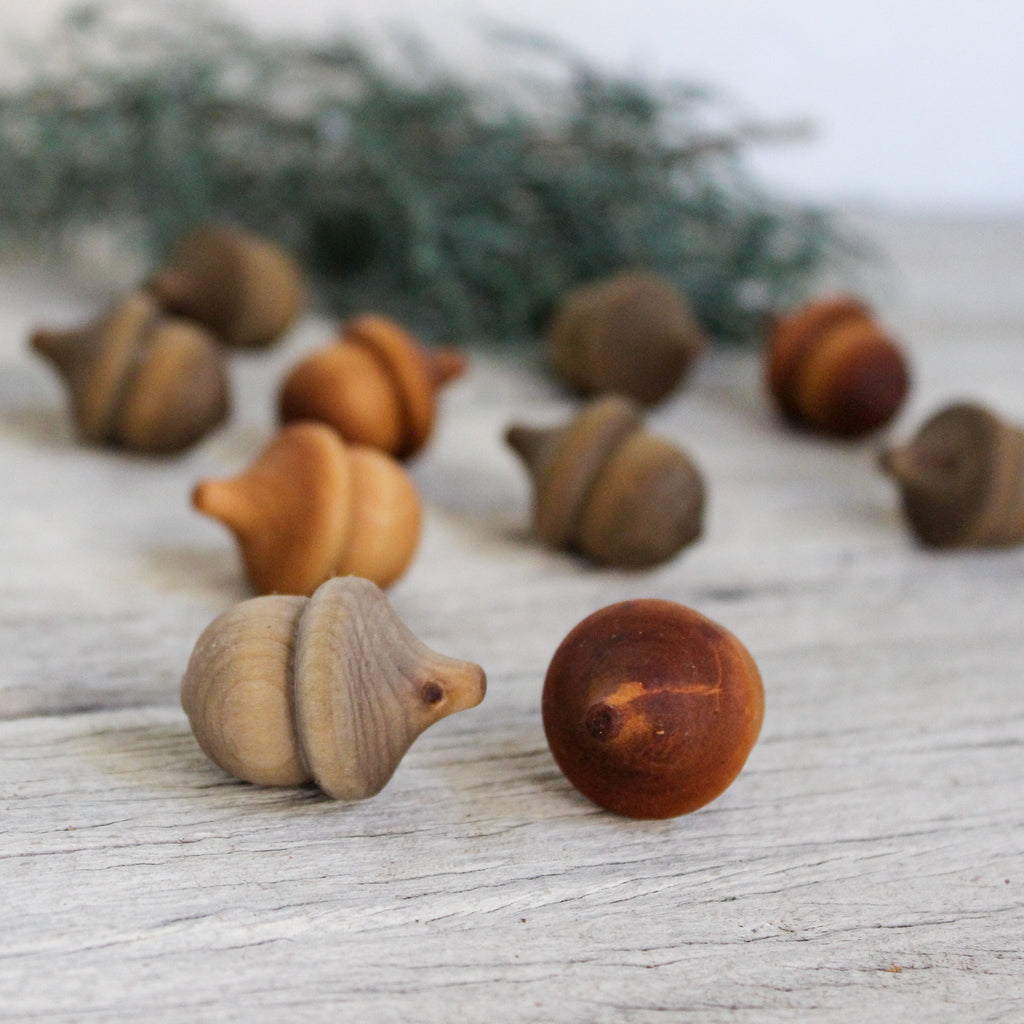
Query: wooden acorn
point(375, 385)
point(139, 378)
point(607, 488)
point(312, 506)
point(651, 709)
point(831, 368)
point(962, 479)
point(244, 289)
point(333, 689)
point(631, 334)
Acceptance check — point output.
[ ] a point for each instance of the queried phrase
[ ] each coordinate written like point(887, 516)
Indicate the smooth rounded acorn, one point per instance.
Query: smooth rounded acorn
point(630, 334)
point(375, 385)
point(961, 478)
point(312, 506)
point(331, 689)
point(831, 368)
point(245, 289)
point(651, 709)
point(138, 378)
point(607, 488)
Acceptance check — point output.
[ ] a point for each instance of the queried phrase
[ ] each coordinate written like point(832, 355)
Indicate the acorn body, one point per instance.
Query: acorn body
point(651, 709)
point(312, 506)
point(631, 334)
point(332, 689)
point(832, 369)
point(962, 479)
point(140, 379)
point(607, 488)
point(376, 385)
point(244, 289)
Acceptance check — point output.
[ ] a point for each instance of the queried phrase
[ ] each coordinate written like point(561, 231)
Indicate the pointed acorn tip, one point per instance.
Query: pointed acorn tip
point(525, 441)
point(447, 364)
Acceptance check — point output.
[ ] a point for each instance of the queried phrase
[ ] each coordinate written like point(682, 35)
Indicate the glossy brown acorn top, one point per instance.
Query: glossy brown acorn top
point(139, 378)
point(830, 367)
point(375, 385)
point(630, 334)
point(245, 289)
point(606, 487)
point(962, 478)
point(651, 709)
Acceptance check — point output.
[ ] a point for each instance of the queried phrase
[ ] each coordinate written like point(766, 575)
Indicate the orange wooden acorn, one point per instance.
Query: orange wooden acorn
point(245, 289)
point(139, 378)
point(830, 367)
point(313, 506)
point(375, 385)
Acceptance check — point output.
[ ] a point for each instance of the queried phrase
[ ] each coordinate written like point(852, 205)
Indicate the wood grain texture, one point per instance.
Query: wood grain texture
point(867, 864)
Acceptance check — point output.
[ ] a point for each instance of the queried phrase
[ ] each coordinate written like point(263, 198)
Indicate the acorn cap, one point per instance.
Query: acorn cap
point(244, 289)
point(95, 360)
point(290, 511)
point(630, 334)
point(962, 478)
point(565, 461)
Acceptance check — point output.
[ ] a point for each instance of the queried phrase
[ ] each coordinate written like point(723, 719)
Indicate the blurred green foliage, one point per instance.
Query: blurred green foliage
point(466, 207)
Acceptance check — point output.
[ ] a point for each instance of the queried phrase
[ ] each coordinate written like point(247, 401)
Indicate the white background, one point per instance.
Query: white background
point(914, 103)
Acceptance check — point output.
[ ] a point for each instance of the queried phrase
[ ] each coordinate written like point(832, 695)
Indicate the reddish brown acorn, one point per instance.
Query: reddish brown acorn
point(375, 385)
point(961, 479)
point(651, 709)
point(831, 368)
point(629, 334)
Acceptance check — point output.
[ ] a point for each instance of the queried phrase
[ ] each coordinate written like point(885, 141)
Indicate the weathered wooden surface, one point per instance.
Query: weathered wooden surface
point(868, 864)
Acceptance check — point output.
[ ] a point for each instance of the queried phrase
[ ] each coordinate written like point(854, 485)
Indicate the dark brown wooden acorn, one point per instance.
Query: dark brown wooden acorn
point(139, 378)
point(375, 385)
point(651, 709)
point(607, 488)
point(962, 479)
point(245, 289)
point(830, 367)
point(312, 506)
point(631, 334)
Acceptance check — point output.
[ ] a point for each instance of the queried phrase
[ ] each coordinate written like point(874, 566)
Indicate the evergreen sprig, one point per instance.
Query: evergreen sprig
point(465, 208)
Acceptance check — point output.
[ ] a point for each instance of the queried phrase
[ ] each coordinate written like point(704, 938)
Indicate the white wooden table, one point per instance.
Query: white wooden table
point(868, 863)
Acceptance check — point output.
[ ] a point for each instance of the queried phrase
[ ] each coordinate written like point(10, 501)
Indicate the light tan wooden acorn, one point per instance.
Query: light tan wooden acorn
point(333, 689)
point(312, 506)
point(245, 289)
point(139, 378)
point(832, 368)
point(607, 488)
point(630, 334)
point(961, 478)
point(375, 385)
